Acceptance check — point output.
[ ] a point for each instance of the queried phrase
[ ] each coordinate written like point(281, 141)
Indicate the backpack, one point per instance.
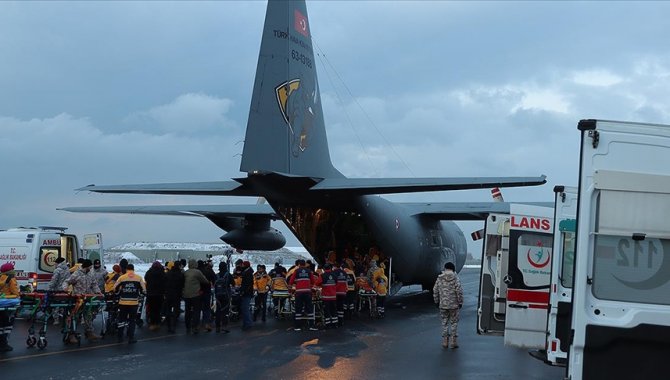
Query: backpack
point(222, 285)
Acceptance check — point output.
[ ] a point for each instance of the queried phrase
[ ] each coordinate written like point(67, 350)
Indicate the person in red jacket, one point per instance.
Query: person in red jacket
point(341, 287)
point(328, 283)
point(303, 279)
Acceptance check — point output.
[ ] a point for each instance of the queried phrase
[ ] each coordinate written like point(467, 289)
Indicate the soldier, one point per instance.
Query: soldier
point(84, 282)
point(448, 295)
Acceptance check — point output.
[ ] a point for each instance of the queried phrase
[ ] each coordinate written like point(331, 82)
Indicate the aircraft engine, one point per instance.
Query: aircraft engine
point(263, 240)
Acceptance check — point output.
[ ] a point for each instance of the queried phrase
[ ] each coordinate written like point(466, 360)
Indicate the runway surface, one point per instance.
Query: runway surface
point(406, 344)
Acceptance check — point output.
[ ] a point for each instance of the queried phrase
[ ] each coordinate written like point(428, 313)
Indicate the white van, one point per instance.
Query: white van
point(621, 291)
point(34, 251)
point(562, 267)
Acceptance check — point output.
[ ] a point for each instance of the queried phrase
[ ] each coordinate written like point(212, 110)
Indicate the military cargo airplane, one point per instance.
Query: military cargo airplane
point(287, 162)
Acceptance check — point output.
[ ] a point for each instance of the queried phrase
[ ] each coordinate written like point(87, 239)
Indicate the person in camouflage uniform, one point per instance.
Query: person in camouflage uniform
point(448, 295)
point(84, 282)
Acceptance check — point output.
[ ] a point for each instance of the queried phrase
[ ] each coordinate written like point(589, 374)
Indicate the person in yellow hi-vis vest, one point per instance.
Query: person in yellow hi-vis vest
point(130, 288)
point(9, 289)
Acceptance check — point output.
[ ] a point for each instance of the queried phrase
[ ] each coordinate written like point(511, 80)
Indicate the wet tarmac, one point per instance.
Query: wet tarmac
point(406, 344)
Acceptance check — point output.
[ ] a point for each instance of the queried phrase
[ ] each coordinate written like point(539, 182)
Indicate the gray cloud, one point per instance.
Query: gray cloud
point(136, 92)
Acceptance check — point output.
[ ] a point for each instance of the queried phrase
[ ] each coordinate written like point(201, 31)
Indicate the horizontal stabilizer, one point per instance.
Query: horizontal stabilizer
point(465, 210)
point(186, 188)
point(184, 210)
point(364, 186)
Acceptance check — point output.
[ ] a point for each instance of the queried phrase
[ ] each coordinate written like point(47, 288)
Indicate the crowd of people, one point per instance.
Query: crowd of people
point(210, 299)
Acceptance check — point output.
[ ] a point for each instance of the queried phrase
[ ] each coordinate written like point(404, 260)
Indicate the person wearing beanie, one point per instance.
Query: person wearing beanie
point(83, 282)
point(9, 288)
point(59, 276)
point(57, 284)
point(448, 295)
point(99, 272)
point(194, 280)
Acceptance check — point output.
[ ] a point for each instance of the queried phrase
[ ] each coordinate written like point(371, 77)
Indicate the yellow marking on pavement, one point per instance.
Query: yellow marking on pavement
point(84, 348)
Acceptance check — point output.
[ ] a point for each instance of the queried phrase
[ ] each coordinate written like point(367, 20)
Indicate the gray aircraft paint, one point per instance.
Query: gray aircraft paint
point(285, 131)
point(287, 162)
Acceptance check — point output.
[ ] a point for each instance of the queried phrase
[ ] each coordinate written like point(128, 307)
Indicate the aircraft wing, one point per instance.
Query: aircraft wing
point(464, 210)
point(184, 210)
point(363, 186)
point(185, 188)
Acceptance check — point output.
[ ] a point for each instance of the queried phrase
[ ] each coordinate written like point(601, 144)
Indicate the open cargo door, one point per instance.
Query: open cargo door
point(621, 293)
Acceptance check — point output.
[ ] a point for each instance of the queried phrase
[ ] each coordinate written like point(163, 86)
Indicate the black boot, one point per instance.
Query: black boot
point(119, 334)
point(4, 346)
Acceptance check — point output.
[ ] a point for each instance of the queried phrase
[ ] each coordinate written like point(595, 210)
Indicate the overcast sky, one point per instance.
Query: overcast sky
point(145, 92)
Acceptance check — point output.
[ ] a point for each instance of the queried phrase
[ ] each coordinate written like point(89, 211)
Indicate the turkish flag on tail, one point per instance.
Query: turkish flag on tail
point(300, 23)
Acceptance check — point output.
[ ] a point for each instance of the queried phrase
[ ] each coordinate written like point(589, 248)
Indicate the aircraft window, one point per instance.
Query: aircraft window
point(631, 270)
point(568, 242)
point(48, 256)
point(534, 258)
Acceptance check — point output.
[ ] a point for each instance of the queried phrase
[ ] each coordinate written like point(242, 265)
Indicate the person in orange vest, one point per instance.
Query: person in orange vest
point(380, 283)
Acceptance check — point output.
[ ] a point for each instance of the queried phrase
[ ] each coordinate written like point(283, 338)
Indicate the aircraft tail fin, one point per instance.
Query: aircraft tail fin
point(285, 131)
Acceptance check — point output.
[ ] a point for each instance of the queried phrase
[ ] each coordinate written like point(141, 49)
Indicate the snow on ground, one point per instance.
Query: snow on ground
point(286, 255)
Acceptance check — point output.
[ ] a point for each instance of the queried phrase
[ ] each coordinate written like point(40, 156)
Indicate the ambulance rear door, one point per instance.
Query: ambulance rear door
point(528, 276)
point(562, 264)
point(492, 289)
point(621, 293)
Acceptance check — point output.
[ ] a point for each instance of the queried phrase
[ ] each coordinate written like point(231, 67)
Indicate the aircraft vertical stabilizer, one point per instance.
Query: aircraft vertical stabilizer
point(285, 131)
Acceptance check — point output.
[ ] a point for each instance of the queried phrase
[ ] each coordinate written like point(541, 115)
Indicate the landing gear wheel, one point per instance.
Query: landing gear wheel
point(30, 342)
point(42, 343)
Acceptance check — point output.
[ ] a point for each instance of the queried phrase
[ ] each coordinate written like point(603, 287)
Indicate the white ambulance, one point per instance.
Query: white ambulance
point(34, 251)
point(621, 292)
point(562, 266)
point(515, 275)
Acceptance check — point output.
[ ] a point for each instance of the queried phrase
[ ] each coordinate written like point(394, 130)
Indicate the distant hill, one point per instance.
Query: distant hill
point(147, 252)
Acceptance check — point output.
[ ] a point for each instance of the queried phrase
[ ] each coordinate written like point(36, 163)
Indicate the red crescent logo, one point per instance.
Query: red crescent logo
point(540, 265)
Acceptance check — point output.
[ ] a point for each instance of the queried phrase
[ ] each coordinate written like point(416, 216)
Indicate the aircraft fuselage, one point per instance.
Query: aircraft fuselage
point(419, 247)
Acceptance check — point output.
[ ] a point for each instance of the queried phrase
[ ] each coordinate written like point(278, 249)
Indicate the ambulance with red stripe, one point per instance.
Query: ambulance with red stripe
point(515, 275)
point(34, 251)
